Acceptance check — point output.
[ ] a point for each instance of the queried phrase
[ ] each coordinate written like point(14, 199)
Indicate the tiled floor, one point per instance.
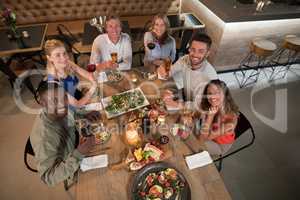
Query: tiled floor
point(267, 170)
point(270, 168)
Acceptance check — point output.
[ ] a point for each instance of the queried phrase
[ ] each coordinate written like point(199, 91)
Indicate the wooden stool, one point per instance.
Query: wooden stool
point(285, 56)
point(260, 50)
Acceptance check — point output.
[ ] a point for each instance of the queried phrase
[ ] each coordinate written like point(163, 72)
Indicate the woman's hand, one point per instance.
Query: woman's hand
point(162, 71)
point(158, 62)
point(167, 95)
point(72, 65)
point(212, 111)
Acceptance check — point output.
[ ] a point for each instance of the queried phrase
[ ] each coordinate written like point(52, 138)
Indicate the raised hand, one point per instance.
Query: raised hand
point(161, 70)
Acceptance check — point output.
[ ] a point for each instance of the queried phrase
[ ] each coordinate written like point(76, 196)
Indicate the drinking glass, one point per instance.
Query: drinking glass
point(91, 68)
point(167, 64)
point(151, 45)
point(114, 57)
point(93, 21)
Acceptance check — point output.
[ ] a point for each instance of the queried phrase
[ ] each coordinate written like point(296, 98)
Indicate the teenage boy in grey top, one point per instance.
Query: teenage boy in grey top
point(53, 137)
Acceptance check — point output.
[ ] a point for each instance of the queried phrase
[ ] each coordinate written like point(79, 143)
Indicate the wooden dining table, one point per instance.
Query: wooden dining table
point(115, 184)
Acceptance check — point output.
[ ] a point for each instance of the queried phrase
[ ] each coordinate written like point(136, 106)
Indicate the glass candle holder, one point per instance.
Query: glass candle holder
point(132, 135)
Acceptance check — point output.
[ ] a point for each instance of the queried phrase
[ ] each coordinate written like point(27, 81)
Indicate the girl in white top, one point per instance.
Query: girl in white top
point(165, 46)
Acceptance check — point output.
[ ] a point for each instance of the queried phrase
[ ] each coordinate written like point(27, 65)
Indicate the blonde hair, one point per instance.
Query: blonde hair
point(52, 44)
point(49, 46)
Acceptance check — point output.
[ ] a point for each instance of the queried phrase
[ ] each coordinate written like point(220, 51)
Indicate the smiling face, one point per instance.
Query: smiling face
point(59, 58)
point(159, 27)
point(113, 29)
point(198, 51)
point(215, 96)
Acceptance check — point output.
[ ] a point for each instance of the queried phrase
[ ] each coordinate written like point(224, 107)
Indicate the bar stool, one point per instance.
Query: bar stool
point(260, 50)
point(284, 57)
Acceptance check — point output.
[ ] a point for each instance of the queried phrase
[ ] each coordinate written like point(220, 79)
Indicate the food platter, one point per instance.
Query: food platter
point(159, 181)
point(85, 129)
point(100, 133)
point(124, 102)
point(146, 155)
point(114, 76)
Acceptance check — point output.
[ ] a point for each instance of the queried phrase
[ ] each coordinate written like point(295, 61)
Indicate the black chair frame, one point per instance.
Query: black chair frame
point(29, 150)
point(243, 125)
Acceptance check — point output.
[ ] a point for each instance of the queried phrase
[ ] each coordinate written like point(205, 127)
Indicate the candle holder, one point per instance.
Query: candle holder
point(132, 136)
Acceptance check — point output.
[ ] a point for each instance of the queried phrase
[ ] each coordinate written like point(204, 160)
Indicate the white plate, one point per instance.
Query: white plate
point(106, 101)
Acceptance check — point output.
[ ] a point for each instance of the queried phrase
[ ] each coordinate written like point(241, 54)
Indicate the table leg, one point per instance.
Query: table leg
point(5, 68)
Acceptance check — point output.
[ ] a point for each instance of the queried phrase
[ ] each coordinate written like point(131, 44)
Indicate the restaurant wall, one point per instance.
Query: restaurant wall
point(40, 11)
point(231, 40)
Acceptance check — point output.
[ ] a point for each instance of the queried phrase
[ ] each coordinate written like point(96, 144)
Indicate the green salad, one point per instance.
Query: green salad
point(125, 101)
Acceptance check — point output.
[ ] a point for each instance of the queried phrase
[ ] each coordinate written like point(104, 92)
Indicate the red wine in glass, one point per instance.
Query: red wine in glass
point(151, 45)
point(91, 67)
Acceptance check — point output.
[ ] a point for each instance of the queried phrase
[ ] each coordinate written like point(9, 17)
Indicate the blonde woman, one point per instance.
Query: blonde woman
point(219, 117)
point(60, 68)
point(158, 43)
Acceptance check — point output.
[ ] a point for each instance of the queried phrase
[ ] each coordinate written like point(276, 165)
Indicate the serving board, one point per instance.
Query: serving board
point(107, 101)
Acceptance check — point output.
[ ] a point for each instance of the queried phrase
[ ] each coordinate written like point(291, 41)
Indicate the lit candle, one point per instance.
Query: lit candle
point(161, 119)
point(134, 78)
point(132, 135)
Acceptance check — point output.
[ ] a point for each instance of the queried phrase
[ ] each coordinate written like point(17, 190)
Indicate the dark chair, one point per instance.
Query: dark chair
point(186, 36)
point(243, 126)
point(29, 150)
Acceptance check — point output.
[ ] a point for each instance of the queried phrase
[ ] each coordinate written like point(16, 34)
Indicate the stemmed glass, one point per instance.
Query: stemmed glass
point(94, 22)
point(151, 46)
point(91, 68)
point(102, 20)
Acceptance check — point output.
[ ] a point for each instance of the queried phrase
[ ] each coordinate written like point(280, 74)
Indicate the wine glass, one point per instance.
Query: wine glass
point(93, 21)
point(151, 45)
point(91, 68)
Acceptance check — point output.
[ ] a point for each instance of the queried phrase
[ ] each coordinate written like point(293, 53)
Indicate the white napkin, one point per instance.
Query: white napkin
point(93, 106)
point(161, 78)
point(94, 162)
point(172, 108)
point(198, 160)
point(102, 78)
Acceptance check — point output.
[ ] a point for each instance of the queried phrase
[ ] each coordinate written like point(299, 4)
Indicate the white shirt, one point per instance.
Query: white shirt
point(192, 81)
point(103, 47)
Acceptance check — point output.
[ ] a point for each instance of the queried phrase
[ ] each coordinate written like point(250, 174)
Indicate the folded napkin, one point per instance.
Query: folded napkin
point(94, 162)
point(102, 78)
point(161, 78)
point(93, 106)
point(172, 107)
point(198, 160)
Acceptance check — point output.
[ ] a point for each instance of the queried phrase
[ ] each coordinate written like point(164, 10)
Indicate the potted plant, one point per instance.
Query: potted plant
point(9, 19)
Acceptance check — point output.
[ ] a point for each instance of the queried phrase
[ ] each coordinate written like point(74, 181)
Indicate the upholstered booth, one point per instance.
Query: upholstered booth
point(41, 11)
